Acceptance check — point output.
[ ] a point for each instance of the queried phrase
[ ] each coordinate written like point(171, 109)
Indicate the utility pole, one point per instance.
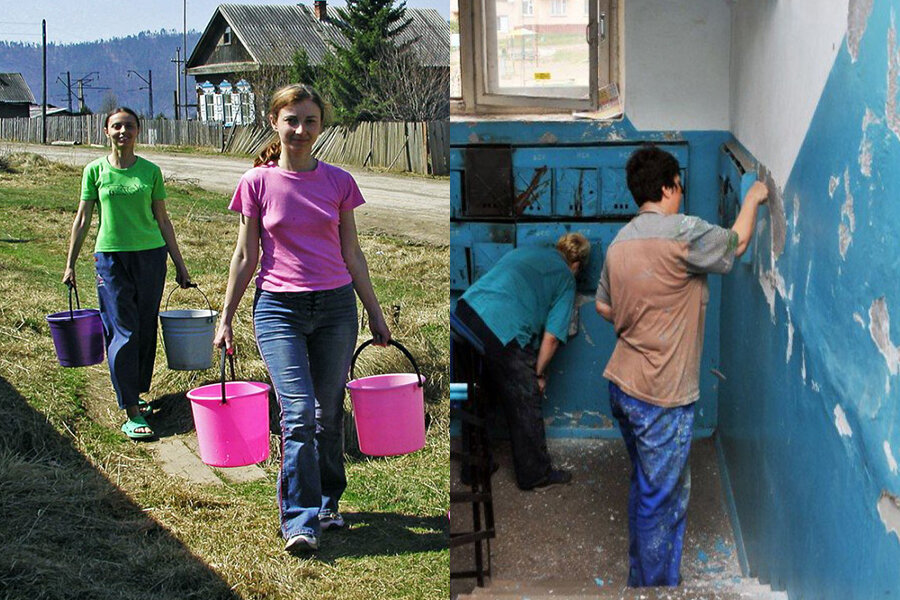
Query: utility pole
point(149, 86)
point(177, 61)
point(184, 69)
point(44, 92)
point(68, 85)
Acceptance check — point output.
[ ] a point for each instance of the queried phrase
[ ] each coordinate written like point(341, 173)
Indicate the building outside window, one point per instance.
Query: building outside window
point(512, 60)
point(558, 8)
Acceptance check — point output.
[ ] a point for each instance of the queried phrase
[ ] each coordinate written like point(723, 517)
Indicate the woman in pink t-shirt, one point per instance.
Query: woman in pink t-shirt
point(299, 211)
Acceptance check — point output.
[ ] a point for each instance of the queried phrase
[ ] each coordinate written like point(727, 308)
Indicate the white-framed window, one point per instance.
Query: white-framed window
point(226, 37)
point(511, 62)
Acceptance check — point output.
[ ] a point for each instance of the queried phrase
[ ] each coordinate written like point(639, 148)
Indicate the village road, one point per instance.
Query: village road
point(414, 208)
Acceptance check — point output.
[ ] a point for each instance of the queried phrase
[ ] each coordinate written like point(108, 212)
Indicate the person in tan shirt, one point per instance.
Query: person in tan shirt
point(653, 290)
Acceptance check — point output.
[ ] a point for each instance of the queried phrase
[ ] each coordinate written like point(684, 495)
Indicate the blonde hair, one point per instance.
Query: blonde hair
point(289, 94)
point(574, 248)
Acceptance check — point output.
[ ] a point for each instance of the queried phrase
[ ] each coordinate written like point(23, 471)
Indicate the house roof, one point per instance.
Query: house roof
point(14, 89)
point(273, 33)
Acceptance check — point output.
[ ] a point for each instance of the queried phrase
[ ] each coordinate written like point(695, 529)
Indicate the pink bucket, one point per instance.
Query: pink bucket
point(389, 410)
point(232, 420)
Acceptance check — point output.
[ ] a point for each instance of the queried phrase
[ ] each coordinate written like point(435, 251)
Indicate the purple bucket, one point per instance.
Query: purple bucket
point(77, 335)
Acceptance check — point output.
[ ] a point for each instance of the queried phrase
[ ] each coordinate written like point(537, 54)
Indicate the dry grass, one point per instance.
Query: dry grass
point(90, 514)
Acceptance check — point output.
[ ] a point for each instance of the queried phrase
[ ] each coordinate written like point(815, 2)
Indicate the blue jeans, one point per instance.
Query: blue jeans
point(306, 340)
point(658, 441)
point(129, 288)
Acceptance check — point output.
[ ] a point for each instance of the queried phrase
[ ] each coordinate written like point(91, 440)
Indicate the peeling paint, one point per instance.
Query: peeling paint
point(548, 138)
point(880, 330)
point(473, 138)
point(790, 340)
point(891, 112)
point(833, 182)
point(858, 318)
point(840, 422)
point(892, 462)
point(845, 231)
point(776, 211)
point(844, 239)
point(767, 282)
point(803, 364)
point(865, 157)
point(857, 17)
point(889, 511)
point(795, 219)
point(815, 386)
point(847, 207)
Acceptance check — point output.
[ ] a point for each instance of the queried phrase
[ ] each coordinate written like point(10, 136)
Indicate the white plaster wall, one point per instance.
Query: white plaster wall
point(677, 64)
point(781, 56)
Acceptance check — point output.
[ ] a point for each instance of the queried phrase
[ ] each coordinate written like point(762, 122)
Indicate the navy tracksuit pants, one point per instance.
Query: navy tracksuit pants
point(129, 288)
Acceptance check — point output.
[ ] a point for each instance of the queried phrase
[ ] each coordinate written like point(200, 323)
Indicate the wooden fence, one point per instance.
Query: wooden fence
point(412, 147)
point(88, 129)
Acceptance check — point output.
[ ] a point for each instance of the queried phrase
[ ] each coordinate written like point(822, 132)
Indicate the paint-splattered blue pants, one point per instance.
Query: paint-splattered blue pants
point(658, 441)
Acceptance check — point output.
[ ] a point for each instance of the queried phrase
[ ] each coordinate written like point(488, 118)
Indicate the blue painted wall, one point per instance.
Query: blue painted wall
point(808, 416)
point(578, 401)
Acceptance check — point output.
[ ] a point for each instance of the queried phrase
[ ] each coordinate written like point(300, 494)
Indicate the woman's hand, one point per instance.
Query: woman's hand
point(224, 337)
point(380, 331)
point(182, 277)
point(69, 277)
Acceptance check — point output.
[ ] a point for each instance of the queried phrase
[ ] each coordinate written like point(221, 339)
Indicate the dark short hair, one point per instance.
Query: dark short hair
point(123, 109)
point(649, 170)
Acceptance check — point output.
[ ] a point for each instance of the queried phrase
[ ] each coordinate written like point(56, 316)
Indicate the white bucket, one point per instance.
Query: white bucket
point(188, 336)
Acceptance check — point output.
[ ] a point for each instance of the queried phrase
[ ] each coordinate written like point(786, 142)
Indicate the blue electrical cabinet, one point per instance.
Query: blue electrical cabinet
point(506, 195)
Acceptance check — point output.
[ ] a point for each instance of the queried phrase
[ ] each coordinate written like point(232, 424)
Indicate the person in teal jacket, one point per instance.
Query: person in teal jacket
point(130, 253)
point(520, 309)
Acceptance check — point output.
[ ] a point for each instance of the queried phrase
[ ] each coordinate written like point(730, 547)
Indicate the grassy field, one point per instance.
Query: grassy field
point(90, 514)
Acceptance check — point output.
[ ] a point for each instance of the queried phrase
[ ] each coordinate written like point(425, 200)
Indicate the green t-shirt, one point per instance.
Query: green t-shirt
point(124, 203)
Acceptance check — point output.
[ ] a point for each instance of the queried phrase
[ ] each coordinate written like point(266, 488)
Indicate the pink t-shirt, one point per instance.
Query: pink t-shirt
point(299, 214)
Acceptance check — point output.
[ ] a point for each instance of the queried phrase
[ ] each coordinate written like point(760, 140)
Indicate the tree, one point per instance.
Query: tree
point(110, 102)
point(370, 28)
point(403, 90)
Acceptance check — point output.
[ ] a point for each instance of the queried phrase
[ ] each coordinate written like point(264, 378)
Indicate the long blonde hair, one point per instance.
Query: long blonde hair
point(289, 94)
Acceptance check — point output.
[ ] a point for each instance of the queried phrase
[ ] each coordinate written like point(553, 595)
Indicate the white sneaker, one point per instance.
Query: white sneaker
point(301, 543)
point(330, 520)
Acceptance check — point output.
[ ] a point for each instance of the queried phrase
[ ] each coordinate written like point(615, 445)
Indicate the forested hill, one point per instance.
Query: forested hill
point(107, 62)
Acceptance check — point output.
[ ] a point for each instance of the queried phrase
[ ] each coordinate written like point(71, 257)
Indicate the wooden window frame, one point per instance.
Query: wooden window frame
point(474, 41)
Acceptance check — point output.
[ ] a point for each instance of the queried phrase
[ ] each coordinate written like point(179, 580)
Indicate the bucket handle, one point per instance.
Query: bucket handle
point(392, 343)
point(73, 288)
point(196, 287)
point(222, 370)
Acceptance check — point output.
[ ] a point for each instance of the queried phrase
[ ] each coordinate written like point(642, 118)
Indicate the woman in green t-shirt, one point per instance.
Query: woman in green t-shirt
point(134, 238)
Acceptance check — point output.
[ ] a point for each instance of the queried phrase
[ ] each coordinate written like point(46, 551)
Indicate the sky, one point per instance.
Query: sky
point(71, 22)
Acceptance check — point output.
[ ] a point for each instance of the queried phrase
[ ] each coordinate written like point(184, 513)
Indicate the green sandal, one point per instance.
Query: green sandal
point(131, 427)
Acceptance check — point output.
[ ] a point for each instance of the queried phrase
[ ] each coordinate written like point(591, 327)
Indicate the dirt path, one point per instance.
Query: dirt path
point(414, 208)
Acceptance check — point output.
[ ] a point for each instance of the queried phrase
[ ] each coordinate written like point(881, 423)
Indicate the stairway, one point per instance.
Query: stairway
point(733, 589)
point(572, 541)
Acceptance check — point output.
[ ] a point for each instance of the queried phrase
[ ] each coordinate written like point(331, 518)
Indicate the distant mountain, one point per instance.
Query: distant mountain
point(107, 62)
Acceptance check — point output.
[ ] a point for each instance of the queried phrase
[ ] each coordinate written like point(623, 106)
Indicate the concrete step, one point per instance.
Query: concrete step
point(741, 589)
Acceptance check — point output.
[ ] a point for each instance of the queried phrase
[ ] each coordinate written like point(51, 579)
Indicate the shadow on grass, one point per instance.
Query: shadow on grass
point(384, 534)
point(68, 532)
